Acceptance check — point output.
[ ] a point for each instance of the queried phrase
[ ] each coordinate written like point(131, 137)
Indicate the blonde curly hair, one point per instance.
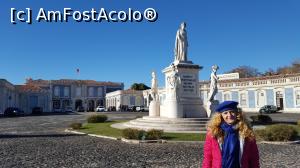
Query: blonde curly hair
point(244, 129)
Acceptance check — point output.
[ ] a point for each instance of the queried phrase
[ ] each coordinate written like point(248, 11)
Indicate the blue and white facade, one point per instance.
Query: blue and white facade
point(282, 91)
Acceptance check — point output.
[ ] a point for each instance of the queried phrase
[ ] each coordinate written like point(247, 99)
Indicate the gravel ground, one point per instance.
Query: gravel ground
point(29, 142)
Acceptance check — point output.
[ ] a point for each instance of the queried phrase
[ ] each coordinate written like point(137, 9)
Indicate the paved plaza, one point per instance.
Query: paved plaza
point(40, 141)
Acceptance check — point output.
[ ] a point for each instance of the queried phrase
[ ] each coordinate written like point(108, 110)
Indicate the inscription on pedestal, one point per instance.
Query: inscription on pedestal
point(188, 83)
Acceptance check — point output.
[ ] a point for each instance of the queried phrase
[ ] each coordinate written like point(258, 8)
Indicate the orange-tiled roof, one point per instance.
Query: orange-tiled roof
point(73, 81)
point(30, 88)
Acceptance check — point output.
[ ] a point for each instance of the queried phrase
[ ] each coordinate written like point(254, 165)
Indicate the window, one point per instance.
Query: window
point(78, 91)
point(91, 92)
point(226, 96)
point(66, 91)
point(100, 92)
point(56, 91)
point(297, 97)
point(243, 101)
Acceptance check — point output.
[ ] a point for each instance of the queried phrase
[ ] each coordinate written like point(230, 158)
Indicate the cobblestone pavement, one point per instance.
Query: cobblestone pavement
point(39, 141)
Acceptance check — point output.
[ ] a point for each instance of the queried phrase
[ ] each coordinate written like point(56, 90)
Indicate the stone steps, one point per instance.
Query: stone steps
point(169, 122)
point(166, 129)
point(169, 125)
point(135, 122)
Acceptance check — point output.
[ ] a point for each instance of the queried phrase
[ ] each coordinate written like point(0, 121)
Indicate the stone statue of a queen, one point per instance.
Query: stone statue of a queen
point(181, 44)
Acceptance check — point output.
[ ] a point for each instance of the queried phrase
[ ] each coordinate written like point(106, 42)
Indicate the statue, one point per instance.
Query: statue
point(154, 90)
point(174, 82)
point(213, 83)
point(181, 44)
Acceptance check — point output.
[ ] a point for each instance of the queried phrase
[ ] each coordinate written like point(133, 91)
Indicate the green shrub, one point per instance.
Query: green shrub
point(278, 132)
point(262, 119)
point(96, 118)
point(298, 122)
point(75, 125)
point(132, 133)
point(154, 134)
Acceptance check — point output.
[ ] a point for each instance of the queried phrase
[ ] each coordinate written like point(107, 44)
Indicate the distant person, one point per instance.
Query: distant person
point(230, 142)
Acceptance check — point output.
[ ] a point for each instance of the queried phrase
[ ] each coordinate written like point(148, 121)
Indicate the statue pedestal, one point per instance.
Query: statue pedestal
point(186, 102)
point(173, 109)
point(154, 110)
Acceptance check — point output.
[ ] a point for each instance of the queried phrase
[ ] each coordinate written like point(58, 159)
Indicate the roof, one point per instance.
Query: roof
point(30, 88)
point(255, 78)
point(73, 81)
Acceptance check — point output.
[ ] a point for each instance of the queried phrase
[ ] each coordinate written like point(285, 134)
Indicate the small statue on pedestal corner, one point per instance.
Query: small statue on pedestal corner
point(174, 82)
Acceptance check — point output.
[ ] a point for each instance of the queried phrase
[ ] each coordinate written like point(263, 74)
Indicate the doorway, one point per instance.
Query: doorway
point(279, 100)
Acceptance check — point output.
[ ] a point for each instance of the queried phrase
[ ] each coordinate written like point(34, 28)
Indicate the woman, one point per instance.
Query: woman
point(230, 142)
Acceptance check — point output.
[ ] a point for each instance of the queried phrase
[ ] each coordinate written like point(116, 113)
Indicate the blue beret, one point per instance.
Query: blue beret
point(227, 105)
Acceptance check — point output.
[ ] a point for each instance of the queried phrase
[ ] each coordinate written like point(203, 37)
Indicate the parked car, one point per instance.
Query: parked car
point(37, 110)
point(145, 109)
point(111, 108)
point(13, 111)
point(141, 109)
point(68, 109)
point(57, 110)
point(132, 108)
point(268, 109)
point(80, 109)
point(100, 109)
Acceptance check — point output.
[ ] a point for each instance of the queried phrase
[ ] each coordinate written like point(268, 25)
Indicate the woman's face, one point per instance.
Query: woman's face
point(229, 117)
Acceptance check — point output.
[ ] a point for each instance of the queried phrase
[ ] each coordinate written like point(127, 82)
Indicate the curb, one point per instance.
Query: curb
point(93, 135)
point(131, 140)
point(280, 143)
point(142, 141)
point(165, 141)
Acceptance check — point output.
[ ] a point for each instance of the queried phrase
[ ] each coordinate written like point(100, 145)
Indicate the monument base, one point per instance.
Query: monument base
point(154, 110)
point(188, 103)
point(179, 125)
point(173, 109)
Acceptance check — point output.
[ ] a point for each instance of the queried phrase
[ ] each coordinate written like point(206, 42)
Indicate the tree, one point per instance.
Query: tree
point(139, 86)
point(293, 68)
point(245, 71)
point(270, 72)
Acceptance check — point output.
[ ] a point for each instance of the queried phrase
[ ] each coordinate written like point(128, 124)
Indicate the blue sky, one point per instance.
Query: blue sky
point(259, 33)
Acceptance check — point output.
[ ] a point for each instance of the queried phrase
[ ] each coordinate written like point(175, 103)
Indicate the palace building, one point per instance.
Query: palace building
point(55, 95)
point(282, 91)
